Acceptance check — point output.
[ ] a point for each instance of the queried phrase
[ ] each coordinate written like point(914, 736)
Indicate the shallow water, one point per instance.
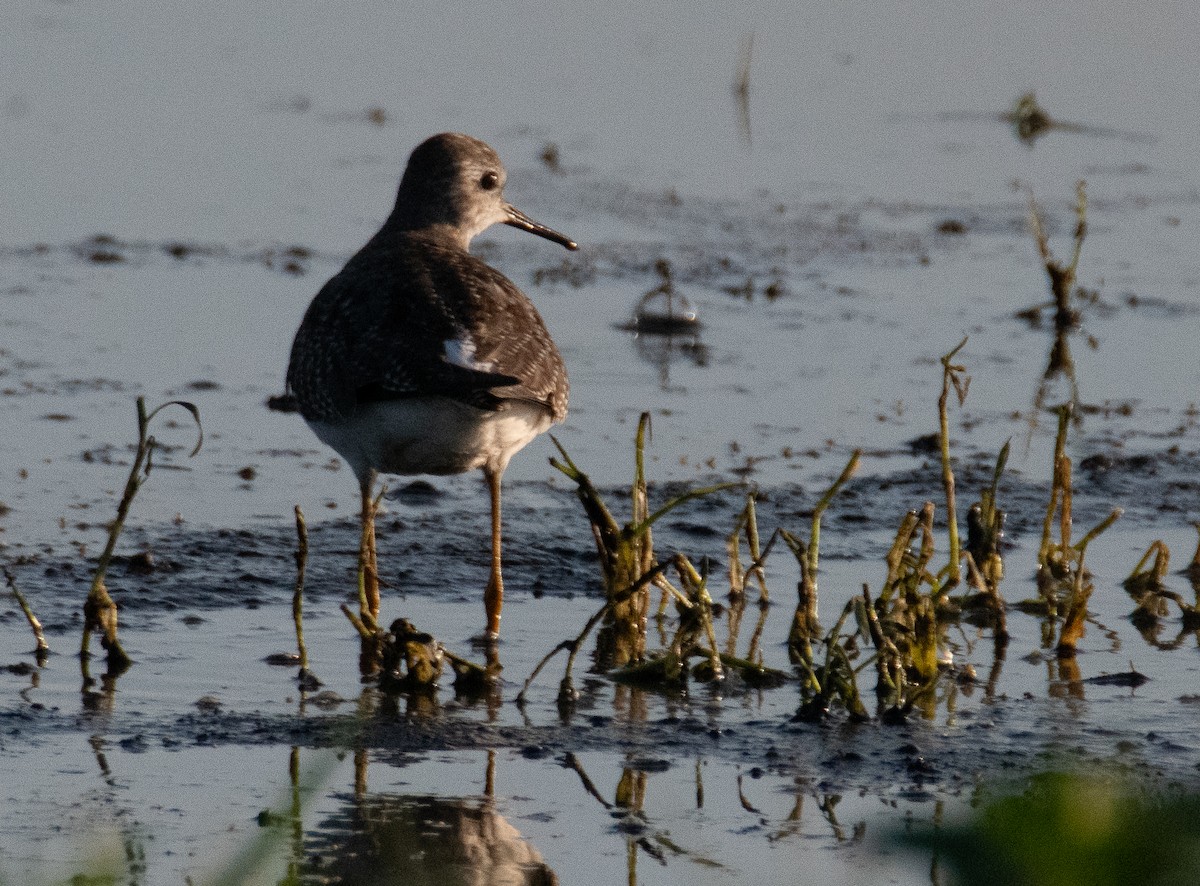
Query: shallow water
point(235, 156)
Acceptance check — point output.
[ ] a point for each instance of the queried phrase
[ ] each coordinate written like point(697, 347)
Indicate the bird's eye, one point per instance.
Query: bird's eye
point(489, 181)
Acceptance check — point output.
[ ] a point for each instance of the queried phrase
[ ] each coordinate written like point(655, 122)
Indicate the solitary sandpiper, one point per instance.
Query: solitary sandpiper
point(418, 358)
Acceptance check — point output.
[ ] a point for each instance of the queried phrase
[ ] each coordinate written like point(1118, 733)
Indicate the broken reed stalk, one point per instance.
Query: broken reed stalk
point(698, 596)
point(805, 623)
point(952, 376)
point(1148, 588)
point(739, 578)
point(99, 610)
point(1060, 563)
point(572, 647)
point(1066, 294)
point(823, 503)
point(1081, 591)
point(985, 527)
point(1062, 277)
point(634, 612)
point(1060, 503)
point(298, 595)
point(42, 647)
point(1141, 580)
point(889, 665)
point(903, 622)
point(990, 591)
point(837, 678)
point(899, 554)
point(907, 570)
point(626, 552)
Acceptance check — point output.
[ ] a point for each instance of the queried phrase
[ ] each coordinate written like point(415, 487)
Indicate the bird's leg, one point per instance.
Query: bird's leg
point(493, 597)
point(368, 568)
point(368, 582)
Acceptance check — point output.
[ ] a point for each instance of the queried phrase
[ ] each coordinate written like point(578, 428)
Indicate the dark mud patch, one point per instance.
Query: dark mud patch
point(433, 543)
point(1019, 714)
point(107, 249)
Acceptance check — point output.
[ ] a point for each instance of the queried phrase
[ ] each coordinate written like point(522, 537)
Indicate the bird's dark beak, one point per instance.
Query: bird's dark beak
point(518, 219)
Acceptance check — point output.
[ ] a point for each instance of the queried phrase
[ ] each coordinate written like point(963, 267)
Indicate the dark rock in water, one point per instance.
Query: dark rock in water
point(649, 764)
point(1096, 464)
point(928, 444)
point(282, 659)
point(282, 403)
point(144, 563)
point(1130, 678)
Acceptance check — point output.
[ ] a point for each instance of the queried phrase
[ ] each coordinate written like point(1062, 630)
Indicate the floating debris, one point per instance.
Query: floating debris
point(662, 310)
point(1031, 121)
point(1131, 678)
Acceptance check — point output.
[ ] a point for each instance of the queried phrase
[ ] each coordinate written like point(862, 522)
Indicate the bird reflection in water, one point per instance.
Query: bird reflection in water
point(380, 838)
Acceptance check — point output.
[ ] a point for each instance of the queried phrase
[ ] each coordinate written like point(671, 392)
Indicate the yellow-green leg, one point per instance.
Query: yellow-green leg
point(493, 597)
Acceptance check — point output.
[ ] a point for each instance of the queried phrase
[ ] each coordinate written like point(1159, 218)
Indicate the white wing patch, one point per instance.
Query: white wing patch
point(461, 352)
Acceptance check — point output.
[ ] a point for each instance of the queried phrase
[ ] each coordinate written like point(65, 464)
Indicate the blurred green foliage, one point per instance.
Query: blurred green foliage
point(1069, 830)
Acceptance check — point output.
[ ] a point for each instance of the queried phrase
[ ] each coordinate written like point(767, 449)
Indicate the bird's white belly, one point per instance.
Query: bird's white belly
point(433, 435)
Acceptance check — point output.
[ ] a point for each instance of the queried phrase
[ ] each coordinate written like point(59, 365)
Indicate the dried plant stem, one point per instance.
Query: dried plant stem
point(1062, 277)
point(823, 503)
point(1060, 497)
point(1081, 591)
point(805, 624)
point(298, 595)
point(99, 610)
point(1074, 622)
point(898, 554)
point(572, 647)
point(889, 664)
point(692, 579)
point(372, 639)
point(952, 376)
point(1091, 534)
point(739, 578)
point(365, 625)
point(991, 592)
point(626, 553)
point(36, 626)
point(1162, 559)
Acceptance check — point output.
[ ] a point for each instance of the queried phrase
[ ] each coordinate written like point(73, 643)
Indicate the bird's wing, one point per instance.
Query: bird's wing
point(420, 320)
point(501, 332)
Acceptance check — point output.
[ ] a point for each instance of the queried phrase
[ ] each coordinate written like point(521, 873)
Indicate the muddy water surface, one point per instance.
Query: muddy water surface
point(231, 159)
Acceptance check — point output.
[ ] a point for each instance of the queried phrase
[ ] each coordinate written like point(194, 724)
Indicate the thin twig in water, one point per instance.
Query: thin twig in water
point(952, 375)
point(741, 85)
point(42, 646)
point(99, 610)
point(298, 595)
